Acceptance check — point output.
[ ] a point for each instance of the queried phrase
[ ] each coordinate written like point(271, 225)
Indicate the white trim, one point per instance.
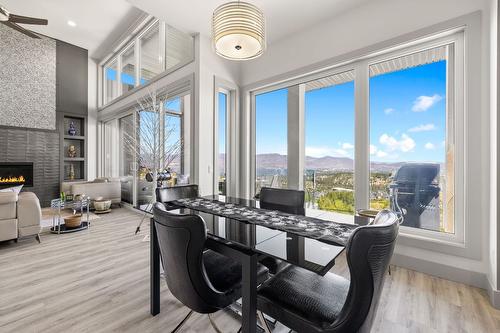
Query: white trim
point(230, 89)
point(470, 246)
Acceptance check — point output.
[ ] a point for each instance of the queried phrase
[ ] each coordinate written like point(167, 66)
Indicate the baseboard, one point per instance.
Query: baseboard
point(494, 295)
point(451, 273)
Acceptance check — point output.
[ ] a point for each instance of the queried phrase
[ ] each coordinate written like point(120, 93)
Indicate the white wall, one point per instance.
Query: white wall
point(209, 66)
point(371, 25)
point(92, 121)
point(366, 25)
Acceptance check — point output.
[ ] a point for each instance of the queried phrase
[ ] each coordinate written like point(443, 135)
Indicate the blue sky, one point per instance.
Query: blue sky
point(407, 117)
point(222, 122)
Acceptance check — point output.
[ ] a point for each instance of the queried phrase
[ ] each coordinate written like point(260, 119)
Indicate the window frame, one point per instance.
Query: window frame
point(134, 40)
point(455, 99)
point(217, 152)
point(232, 141)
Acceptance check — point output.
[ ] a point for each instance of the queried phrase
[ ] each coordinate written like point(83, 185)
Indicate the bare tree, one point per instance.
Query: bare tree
point(153, 141)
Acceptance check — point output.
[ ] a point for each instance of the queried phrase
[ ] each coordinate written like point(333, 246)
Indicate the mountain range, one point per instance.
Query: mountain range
point(279, 161)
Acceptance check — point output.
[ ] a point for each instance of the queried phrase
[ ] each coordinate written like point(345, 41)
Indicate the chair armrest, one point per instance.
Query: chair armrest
point(29, 212)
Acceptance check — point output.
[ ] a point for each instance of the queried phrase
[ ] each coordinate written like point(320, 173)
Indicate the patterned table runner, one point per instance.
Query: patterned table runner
point(326, 231)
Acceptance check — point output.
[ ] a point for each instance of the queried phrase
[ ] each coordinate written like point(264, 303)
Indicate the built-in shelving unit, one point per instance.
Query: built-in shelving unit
point(74, 165)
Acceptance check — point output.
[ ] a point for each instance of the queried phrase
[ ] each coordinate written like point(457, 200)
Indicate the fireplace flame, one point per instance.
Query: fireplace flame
point(10, 180)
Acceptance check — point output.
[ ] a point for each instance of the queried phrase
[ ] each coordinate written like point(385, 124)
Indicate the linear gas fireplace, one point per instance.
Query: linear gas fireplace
point(16, 173)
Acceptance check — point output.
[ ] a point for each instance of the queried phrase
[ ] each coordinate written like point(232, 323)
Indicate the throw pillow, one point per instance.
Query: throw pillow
point(182, 179)
point(15, 189)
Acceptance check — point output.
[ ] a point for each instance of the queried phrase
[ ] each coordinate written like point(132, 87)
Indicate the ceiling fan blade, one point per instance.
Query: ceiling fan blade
point(27, 20)
point(21, 29)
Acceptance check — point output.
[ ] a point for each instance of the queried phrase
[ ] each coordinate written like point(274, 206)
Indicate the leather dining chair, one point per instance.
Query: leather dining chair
point(283, 200)
point(203, 280)
point(307, 302)
point(166, 194)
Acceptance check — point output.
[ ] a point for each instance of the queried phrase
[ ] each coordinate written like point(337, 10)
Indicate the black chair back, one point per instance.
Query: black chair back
point(181, 239)
point(166, 194)
point(284, 200)
point(369, 251)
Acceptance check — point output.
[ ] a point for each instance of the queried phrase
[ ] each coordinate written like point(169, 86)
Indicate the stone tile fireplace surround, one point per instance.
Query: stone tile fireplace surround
point(38, 147)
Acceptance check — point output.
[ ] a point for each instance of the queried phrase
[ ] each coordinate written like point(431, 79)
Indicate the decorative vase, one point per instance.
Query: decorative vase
point(71, 172)
point(72, 129)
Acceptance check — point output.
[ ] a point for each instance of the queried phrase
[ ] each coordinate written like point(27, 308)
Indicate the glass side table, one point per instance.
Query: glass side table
point(81, 206)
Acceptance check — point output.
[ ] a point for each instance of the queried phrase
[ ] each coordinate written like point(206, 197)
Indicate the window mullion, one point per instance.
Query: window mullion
point(362, 138)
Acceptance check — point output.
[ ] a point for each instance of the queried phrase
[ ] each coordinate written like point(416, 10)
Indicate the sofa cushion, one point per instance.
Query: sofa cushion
point(8, 229)
point(8, 203)
point(106, 191)
point(8, 197)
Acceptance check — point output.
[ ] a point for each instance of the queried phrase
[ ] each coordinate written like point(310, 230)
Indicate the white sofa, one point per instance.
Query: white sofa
point(20, 215)
point(105, 188)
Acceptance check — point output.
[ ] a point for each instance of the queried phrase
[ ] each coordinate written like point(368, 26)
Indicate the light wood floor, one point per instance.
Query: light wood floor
point(98, 281)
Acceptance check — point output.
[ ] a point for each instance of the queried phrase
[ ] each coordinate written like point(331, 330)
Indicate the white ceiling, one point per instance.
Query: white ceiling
point(97, 20)
point(283, 17)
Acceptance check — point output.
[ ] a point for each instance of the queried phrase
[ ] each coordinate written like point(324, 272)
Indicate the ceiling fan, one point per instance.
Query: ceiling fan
point(12, 20)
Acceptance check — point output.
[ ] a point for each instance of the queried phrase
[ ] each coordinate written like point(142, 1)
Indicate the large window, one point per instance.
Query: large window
point(179, 47)
point(151, 57)
point(329, 143)
point(411, 154)
point(173, 135)
point(271, 118)
point(128, 69)
point(222, 141)
point(111, 81)
point(378, 133)
point(155, 49)
point(127, 158)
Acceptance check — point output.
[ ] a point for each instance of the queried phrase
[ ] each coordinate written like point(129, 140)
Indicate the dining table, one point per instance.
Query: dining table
point(239, 229)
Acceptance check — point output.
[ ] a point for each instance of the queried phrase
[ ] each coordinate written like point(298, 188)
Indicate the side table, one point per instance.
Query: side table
point(77, 205)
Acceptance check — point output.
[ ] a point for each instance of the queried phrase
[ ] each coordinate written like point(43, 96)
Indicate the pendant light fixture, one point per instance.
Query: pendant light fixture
point(238, 31)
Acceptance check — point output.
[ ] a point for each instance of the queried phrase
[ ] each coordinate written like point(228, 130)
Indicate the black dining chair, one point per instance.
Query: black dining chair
point(283, 200)
point(167, 194)
point(203, 280)
point(307, 302)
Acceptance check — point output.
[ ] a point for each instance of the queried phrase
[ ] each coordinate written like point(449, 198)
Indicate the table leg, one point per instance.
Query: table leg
point(249, 294)
point(154, 278)
point(59, 220)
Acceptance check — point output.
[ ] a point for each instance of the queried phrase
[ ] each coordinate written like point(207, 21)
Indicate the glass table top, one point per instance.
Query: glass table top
point(304, 252)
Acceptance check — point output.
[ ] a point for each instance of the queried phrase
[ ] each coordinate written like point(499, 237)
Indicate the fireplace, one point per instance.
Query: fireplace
point(16, 173)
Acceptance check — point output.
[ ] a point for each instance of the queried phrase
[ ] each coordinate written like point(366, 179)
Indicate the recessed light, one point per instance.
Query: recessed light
point(71, 23)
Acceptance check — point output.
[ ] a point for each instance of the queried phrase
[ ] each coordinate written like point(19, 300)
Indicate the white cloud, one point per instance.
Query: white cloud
point(406, 143)
point(422, 103)
point(381, 153)
point(423, 128)
point(389, 110)
point(429, 146)
point(373, 149)
point(347, 145)
point(325, 151)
